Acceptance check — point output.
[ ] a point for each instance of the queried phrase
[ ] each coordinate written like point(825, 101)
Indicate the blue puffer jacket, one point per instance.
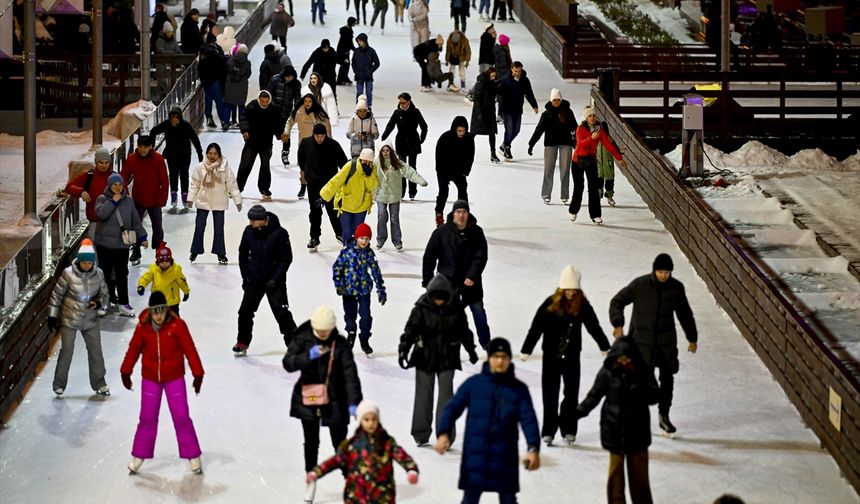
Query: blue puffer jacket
point(355, 270)
point(497, 404)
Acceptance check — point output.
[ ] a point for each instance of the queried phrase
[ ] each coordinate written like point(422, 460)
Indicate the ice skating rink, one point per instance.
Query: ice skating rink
point(737, 432)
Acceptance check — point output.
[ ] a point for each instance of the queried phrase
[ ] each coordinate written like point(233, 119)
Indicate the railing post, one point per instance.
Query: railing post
point(98, 76)
point(782, 113)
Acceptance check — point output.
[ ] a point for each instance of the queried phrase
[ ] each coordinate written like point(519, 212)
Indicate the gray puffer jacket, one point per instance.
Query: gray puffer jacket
point(108, 230)
point(73, 293)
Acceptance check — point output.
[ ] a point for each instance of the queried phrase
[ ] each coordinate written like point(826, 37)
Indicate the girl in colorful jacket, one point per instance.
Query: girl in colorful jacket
point(354, 272)
point(166, 276)
point(165, 343)
point(367, 459)
point(391, 171)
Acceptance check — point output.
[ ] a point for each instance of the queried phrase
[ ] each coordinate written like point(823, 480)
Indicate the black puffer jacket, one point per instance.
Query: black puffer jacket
point(261, 124)
point(459, 255)
point(344, 387)
point(190, 33)
point(270, 67)
point(454, 155)
point(178, 139)
point(408, 122)
point(285, 94)
point(484, 106)
point(485, 53)
point(265, 253)
point(238, 73)
point(653, 323)
point(212, 66)
point(320, 162)
point(324, 63)
point(436, 332)
point(557, 124)
point(625, 423)
point(344, 43)
point(562, 334)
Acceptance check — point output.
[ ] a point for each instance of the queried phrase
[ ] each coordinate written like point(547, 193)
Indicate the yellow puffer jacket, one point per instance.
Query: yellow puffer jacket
point(169, 282)
point(355, 196)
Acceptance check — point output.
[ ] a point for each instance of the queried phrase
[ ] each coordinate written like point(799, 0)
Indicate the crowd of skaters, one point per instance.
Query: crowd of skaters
point(347, 186)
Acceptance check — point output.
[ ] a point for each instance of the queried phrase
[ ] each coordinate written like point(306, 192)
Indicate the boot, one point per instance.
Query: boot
point(302, 191)
point(666, 425)
point(365, 345)
point(494, 158)
point(350, 338)
point(172, 203)
point(196, 465)
point(210, 123)
point(185, 208)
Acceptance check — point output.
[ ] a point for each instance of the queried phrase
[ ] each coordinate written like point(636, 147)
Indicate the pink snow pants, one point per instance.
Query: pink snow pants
point(147, 428)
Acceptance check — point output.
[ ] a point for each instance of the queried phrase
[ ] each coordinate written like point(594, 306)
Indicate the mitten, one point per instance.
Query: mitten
point(140, 290)
point(239, 207)
point(531, 150)
point(412, 477)
point(353, 410)
point(473, 356)
point(185, 296)
point(53, 323)
point(126, 381)
point(403, 357)
point(383, 297)
point(340, 291)
point(198, 382)
point(315, 352)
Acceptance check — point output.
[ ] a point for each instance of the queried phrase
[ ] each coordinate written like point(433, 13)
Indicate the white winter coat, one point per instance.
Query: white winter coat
point(218, 196)
point(328, 102)
point(73, 293)
point(358, 125)
point(418, 16)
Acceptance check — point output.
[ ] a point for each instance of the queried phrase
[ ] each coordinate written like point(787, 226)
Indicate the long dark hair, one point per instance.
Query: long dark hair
point(392, 158)
point(215, 146)
point(316, 90)
point(316, 108)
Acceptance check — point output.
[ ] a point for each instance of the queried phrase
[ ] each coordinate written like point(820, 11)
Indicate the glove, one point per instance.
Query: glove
point(383, 297)
point(403, 357)
point(239, 207)
point(340, 291)
point(473, 356)
point(353, 410)
point(126, 381)
point(412, 477)
point(185, 297)
point(53, 323)
point(198, 382)
point(310, 477)
point(140, 290)
point(315, 352)
point(319, 203)
point(524, 356)
point(271, 285)
point(531, 150)
point(367, 169)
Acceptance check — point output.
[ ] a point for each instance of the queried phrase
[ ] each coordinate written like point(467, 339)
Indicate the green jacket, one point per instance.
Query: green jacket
point(390, 189)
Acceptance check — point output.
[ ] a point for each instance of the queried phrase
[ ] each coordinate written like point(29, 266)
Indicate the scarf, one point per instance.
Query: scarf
point(213, 172)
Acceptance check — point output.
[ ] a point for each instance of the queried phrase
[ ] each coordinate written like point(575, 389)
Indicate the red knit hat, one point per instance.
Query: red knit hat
point(363, 230)
point(162, 253)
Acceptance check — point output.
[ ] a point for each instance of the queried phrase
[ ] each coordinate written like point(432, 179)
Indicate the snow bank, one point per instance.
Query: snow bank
point(127, 120)
point(670, 20)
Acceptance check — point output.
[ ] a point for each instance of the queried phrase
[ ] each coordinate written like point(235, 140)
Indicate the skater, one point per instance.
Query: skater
point(500, 7)
point(427, 56)
point(165, 276)
point(486, 59)
point(265, 256)
point(557, 124)
point(354, 272)
point(628, 386)
point(344, 47)
point(589, 136)
point(458, 54)
point(455, 153)
point(149, 192)
point(362, 130)
point(498, 402)
point(236, 87)
point(460, 11)
point(559, 319)
point(279, 24)
point(213, 185)
point(458, 250)
point(408, 120)
point(165, 343)
point(502, 56)
point(88, 185)
point(380, 8)
point(307, 114)
point(366, 459)
point(212, 70)
point(259, 124)
point(419, 19)
point(391, 171)
point(320, 157)
point(328, 390)
point(430, 343)
point(323, 94)
point(324, 59)
point(364, 63)
point(285, 89)
point(179, 135)
point(351, 191)
point(317, 8)
point(78, 295)
point(361, 8)
point(655, 298)
point(514, 90)
point(191, 39)
point(484, 109)
point(399, 7)
point(271, 65)
point(118, 229)
point(606, 168)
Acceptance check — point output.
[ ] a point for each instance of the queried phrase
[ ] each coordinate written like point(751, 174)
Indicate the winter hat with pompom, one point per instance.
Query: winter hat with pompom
point(589, 110)
point(87, 252)
point(363, 230)
point(361, 103)
point(323, 319)
point(366, 407)
point(569, 279)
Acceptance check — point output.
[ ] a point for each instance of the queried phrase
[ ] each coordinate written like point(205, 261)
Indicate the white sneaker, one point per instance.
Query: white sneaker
point(310, 492)
point(59, 391)
point(547, 440)
point(102, 312)
point(134, 465)
point(453, 88)
point(572, 217)
point(569, 438)
point(196, 465)
point(564, 201)
point(597, 220)
point(546, 201)
point(105, 391)
point(126, 310)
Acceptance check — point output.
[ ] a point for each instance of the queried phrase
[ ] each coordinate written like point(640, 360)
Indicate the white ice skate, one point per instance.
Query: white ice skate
point(569, 439)
point(610, 200)
point(134, 465)
point(196, 465)
point(310, 492)
point(104, 391)
point(547, 440)
point(598, 221)
point(572, 217)
point(240, 350)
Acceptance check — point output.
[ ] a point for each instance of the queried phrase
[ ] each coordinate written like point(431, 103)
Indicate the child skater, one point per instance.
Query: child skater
point(164, 341)
point(354, 272)
point(166, 276)
point(367, 459)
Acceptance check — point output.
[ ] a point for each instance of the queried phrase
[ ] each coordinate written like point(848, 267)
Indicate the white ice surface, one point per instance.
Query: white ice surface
point(737, 431)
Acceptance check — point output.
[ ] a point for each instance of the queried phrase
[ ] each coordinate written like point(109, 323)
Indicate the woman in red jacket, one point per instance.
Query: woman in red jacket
point(164, 341)
point(589, 136)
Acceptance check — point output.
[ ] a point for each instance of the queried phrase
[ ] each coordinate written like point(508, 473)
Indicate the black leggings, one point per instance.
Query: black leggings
point(311, 428)
point(177, 166)
point(114, 264)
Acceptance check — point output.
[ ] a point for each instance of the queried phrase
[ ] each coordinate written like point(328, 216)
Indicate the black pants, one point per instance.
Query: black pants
point(114, 264)
point(444, 180)
point(411, 160)
point(500, 7)
point(315, 216)
point(554, 370)
point(667, 388)
point(311, 429)
point(425, 77)
point(277, 302)
point(363, 4)
point(588, 167)
point(177, 166)
point(249, 154)
point(460, 20)
point(281, 39)
point(343, 71)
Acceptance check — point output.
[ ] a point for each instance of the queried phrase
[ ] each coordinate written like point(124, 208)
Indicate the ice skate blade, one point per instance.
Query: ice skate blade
point(243, 353)
point(668, 435)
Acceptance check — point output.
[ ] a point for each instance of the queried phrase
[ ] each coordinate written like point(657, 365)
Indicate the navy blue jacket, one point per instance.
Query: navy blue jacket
point(514, 93)
point(497, 404)
point(265, 254)
point(364, 63)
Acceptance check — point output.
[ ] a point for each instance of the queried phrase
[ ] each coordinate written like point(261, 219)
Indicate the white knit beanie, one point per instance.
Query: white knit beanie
point(365, 407)
point(555, 94)
point(323, 319)
point(569, 278)
point(588, 111)
point(366, 155)
point(361, 103)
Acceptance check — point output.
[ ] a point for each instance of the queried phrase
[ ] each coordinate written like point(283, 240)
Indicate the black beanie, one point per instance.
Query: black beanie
point(460, 204)
point(257, 212)
point(157, 299)
point(499, 345)
point(663, 262)
point(319, 129)
point(145, 140)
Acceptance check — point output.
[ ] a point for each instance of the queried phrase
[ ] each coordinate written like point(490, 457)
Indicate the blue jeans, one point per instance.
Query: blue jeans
point(474, 497)
point(481, 325)
point(484, 7)
point(384, 210)
point(218, 247)
point(357, 306)
point(512, 127)
point(318, 6)
point(348, 223)
point(364, 88)
point(213, 92)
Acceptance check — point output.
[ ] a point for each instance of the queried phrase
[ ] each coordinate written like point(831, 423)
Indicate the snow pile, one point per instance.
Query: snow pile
point(814, 160)
point(755, 153)
point(669, 19)
point(129, 118)
point(47, 137)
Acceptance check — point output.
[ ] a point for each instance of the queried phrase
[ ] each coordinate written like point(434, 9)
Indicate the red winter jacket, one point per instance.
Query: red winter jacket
point(164, 352)
point(150, 179)
point(587, 146)
point(97, 187)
